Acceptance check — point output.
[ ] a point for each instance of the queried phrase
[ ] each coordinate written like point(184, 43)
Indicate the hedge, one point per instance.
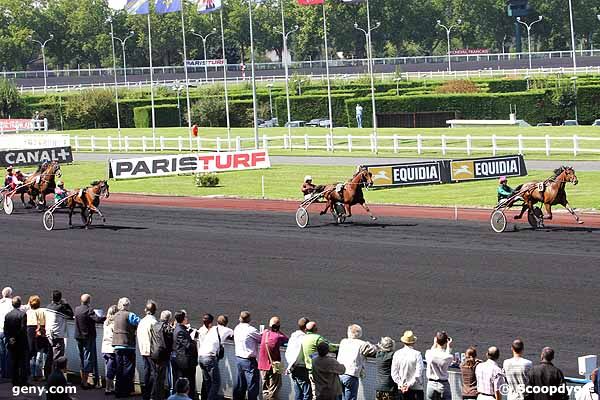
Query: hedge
point(507, 85)
point(166, 115)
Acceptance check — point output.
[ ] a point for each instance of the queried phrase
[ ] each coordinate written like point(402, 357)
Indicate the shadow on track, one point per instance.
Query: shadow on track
point(361, 225)
point(555, 229)
point(103, 227)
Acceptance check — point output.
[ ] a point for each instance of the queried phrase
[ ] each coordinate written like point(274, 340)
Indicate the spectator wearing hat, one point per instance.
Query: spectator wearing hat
point(325, 372)
point(516, 370)
point(407, 369)
point(269, 360)
point(490, 377)
point(545, 378)
point(467, 370)
point(438, 359)
point(385, 387)
point(124, 329)
point(247, 339)
point(295, 362)
point(352, 355)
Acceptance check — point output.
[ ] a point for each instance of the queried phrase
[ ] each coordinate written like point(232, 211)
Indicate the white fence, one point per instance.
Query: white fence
point(417, 144)
point(19, 125)
point(17, 142)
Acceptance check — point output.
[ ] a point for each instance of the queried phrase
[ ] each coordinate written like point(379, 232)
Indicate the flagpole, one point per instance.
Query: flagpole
point(151, 84)
point(371, 70)
point(254, 102)
point(327, 71)
point(225, 81)
point(112, 40)
point(187, 82)
point(285, 67)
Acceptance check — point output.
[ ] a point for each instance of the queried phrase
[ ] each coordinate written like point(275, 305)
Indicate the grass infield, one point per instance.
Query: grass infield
point(283, 182)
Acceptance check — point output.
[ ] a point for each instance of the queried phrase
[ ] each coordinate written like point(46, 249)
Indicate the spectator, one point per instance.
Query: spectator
point(15, 331)
point(467, 370)
point(85, 334)
point(124, 328)
point(407, 369)
point(36, 338)
point(108, 351)
point(162, 346)
point(144, 341)
point(269, 361)
point(325, 372)
point(246, 338)
point(182, 388)
point(57, 382)
point(207, 322)
point(309, 347)
point(295, 362)
point(56, 314)
point(385, 387)
point(544, 378)
point(516, 370)
point(438, 359)
point(208, 356)
point(489, 376)
point(587, 391)
point(186, 352)
point(359, 115)
point(5, 308)
point(352, 355)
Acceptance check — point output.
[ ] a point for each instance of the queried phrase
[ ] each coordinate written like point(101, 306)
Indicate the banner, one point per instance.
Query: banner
point(16, 124)
point(422, 173)
point(137, 6)
point(310, 2)
point(202, 63)
point(167, 6)
point(188, 164)
point(35, 156)
point(487, 168)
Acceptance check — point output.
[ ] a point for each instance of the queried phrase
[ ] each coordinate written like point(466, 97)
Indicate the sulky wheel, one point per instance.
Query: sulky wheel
point(498, 221)
point(48, 220)
point(9, 206)
point(302, 217)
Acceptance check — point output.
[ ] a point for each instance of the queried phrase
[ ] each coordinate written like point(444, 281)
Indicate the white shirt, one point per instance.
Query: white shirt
point(210, 345)
point(144, 334)
point(489, 378)
point(407, 368)
point(438, 361)
point(294, 347)
point(359, 110)
point(515, 372)
point(586, 392)
point(107, 338)
point(5, 308)
point(246, 339)
point(350, 356)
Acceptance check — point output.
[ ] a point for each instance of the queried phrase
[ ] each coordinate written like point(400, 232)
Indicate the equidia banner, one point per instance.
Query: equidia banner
point(35, 156)
point(486, 168)
point(188, 164)
point(406, 174)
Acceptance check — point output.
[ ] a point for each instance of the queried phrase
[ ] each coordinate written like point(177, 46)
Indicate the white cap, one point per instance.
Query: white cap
point(307, 178)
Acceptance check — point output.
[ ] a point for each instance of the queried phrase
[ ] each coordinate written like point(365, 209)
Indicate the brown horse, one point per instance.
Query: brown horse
point(352, 193)
point(550, 192)
point(88, 199)
point(43, 182)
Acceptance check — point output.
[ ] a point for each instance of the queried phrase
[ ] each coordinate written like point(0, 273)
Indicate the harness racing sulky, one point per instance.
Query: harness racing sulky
point(38, 185)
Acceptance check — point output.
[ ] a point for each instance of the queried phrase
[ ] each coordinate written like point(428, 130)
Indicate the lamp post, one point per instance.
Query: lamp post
point(529, 26)
point(112, 45)
point(270, 87)
point(123, 41)
point(574, 80)
point(572, 36)
point(178, 87)
point(204, 38)
point(448, 30)
point(254, 99)
point(43, 46)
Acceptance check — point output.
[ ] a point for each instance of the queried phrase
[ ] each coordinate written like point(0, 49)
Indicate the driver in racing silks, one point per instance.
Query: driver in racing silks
point(504, 191)
point(308, 188)
point(59, 191)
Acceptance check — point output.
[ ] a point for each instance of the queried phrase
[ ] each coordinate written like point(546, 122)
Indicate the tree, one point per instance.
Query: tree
point(9, 98)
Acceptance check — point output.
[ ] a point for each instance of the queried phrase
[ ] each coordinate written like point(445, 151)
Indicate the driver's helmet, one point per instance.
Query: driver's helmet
point(308, 178)
point(502, 180)
point(60, 183)
point(9, 168)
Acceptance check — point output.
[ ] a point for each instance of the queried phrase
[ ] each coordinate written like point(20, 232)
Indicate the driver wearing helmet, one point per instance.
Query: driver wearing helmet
point(59, 191)
point(504, 191)
point(308, 188)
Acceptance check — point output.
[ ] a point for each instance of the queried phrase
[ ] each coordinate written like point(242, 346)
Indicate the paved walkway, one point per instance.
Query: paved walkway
point(546, 165)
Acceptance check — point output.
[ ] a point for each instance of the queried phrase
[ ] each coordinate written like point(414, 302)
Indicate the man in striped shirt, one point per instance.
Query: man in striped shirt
point(490, 377)
point(516, 370)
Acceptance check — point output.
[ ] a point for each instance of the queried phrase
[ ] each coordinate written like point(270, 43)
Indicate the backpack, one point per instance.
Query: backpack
point(159, 349)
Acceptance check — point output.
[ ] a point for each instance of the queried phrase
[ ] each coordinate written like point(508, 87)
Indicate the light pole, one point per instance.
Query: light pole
point(178, 87)
point(448, 30)
point(370, 62)
point(112, 43)
point(270, 87)
point(204, 38)
point(254, 100)
point(123, 41)
point(43, 46)
point(574, 80)
point(529, 26)
point(572, 36)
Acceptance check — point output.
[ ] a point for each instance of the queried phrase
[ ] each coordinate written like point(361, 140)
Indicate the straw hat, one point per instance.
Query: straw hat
point(408, 337)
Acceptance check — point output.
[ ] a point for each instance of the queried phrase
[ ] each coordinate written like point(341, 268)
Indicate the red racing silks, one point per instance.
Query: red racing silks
point(310, 2)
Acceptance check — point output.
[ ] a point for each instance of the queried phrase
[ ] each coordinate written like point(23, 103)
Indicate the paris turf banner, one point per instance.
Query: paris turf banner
point(27, 157)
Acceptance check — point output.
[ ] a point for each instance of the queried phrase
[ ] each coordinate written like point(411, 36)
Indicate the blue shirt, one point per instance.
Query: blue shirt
point(178, 396)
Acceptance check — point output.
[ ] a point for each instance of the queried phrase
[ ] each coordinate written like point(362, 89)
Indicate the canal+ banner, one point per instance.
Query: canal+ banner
point(487, 168)
point(26, 157)
point(145, 167)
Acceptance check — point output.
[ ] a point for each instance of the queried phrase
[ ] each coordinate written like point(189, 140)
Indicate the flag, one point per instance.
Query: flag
point(137, 6)
point(208, 6)
point(167, 6)
point(117, 4)
point(310, 2)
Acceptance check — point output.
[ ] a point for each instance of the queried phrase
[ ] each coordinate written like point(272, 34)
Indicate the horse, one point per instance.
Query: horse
point(43, 182)
point(88, 199)
point(550, 192)
point(352, 193)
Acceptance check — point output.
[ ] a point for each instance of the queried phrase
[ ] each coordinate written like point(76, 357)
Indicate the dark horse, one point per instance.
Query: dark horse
point(43, 182)
point(88, 199)
point(352, 193)
point(550, 192)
